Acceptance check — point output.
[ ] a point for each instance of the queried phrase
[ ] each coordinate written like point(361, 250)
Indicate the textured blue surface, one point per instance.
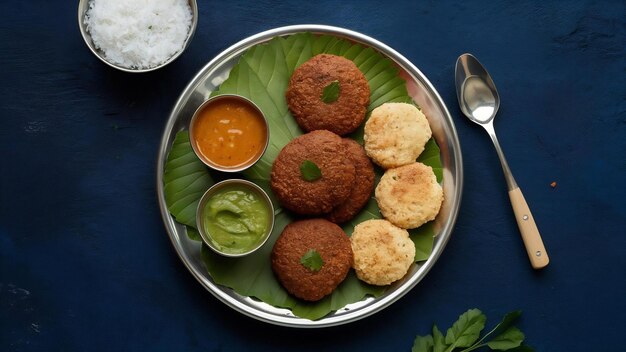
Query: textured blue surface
point(86, 264)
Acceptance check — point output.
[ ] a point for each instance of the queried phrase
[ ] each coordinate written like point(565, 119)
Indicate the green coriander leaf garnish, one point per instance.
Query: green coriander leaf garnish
point(312, 260)
point(310, 171)
point(331, 92)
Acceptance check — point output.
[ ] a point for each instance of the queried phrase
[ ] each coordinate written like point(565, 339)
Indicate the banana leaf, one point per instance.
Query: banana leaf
point(262, 75)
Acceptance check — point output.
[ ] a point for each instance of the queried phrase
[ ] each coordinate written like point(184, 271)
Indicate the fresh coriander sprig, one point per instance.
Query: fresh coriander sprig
point(464, 335)
point(310, 171)
point(312, 260)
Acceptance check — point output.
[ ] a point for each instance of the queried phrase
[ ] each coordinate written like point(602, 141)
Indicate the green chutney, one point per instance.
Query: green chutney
point(236, 219)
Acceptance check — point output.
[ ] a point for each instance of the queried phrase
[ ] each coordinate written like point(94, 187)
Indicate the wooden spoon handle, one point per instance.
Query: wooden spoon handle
point(527, 227)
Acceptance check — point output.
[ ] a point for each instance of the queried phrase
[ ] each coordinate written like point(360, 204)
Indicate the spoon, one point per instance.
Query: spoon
point(479, 101)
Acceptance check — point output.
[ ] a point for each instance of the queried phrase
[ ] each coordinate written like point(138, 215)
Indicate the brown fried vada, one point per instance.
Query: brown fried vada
point(306, 88)
point(298, 238)
point(327, 151)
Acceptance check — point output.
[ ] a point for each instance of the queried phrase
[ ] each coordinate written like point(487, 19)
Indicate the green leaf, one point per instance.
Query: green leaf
point(423, 238)
point(193, 234)
point(439, 341)
point(349, 291)
point(465, 331)
point(186, 179)
point(510, 338)
point(431, 157)
point(312, 260)
point(310, 171)
point(331, 92)
point(423, 344)
point(507, 321)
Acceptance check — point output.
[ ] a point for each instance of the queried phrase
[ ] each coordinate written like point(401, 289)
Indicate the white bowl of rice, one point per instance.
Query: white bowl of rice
point(137, 35)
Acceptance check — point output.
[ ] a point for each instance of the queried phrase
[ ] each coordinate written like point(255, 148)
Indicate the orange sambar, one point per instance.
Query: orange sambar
point(229, 133)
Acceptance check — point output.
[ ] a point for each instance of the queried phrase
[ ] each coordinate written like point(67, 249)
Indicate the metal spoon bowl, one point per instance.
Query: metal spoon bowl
point(479, 101)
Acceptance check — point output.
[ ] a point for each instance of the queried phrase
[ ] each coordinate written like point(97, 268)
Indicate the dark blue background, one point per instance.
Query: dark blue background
point(86, 264)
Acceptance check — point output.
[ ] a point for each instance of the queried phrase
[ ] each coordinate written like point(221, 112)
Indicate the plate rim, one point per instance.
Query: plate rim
point(446, 228)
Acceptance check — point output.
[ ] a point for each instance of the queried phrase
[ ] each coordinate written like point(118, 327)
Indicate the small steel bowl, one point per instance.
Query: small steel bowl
point(83, 6)
point(206, 237)
point(207, 162)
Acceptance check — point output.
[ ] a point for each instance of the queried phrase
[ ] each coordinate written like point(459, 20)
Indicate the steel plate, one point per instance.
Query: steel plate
point(422, 91)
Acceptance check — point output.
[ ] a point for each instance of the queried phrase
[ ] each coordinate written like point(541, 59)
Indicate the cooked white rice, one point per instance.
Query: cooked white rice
point(138, 33)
